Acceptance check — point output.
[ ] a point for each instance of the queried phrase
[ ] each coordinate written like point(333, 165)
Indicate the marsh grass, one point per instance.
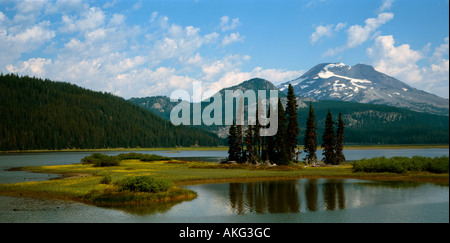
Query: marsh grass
point(87, 183)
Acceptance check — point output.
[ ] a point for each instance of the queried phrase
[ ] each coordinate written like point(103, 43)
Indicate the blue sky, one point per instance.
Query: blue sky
point(143, 48)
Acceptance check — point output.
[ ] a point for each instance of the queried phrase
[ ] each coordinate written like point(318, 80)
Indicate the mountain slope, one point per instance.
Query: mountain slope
point(366, 123)
point(42, 114)
point(380, 124)
point(362, 83)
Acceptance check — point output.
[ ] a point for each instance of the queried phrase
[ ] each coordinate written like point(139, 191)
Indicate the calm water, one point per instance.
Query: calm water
point(301, 200)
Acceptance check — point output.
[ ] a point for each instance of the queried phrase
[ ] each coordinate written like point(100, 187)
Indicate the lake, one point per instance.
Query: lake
point(303, 200)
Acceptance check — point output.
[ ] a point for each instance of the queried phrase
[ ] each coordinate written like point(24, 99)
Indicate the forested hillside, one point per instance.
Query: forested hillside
point(380, 124)
point(43, 114)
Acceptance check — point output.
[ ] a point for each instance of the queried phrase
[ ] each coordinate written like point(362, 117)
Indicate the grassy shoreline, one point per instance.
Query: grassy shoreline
point(225, 148)
point(82, 182)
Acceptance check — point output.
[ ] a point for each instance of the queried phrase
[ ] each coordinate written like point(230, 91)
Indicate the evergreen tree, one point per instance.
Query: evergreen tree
point(310, 141)
point(340, 140)
point(329, 141)
point(233, 150)
point(257, 139)
point(282, 152)
point(249, 145)
point(240, 143)
point(293, 129)
point(269, 153)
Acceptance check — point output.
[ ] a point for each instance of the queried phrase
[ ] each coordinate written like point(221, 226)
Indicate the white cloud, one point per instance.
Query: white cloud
point(402, 62)
point(32, 67)
point(98, 50)
point(14, 42)
point(321, 31)
point(326, 31)
point(196, 60)
point(399, 61)
point(181, 43)
point(117, 19)
point(230, 63)
point(226, 24)
point(146, 82)
point(236, 76)
point(358, 34)
point(340, 26)
point(231, 38)
point(89, 20)
point(2, 17)
point(386, 5)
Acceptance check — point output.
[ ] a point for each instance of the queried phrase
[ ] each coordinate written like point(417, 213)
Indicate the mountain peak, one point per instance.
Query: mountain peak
point(362, 83)
point(255, 84)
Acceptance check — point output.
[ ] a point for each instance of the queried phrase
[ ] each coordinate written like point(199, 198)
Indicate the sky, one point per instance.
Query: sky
point(139, 48)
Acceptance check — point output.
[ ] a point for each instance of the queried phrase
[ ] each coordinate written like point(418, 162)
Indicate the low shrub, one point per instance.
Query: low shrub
point(106, 180)
point(125, 156)
point(142, 157)
point(101, 160)
point(153, 157)
point(144, 184)
point(439, 165)
point(403, 164)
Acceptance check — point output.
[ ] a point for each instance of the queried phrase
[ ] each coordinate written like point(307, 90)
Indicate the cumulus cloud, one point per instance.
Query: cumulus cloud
point(398, 61)
point(15, 42)
point(89, 20)
point(358, 34)
point(401, 61)
point(181, 43)
point(321, 31)
point(34, 66)
point(70, 40)
point(230, 63)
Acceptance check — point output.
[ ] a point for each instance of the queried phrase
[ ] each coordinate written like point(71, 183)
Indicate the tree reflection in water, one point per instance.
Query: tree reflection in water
point(286, 196)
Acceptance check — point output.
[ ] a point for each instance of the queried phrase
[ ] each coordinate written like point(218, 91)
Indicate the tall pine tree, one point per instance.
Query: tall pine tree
point(293, 129)
point(234, 148)
point(329, 140)
point(250, 156)
point(269, 152)
point(310, 141)
point(240, 143)
point(281, 148)
point(340, 140)
point(257, 139)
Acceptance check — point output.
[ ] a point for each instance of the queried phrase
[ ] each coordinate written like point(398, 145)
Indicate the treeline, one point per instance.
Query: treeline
point(42, 114)
point(380, 124)
point(248, 146)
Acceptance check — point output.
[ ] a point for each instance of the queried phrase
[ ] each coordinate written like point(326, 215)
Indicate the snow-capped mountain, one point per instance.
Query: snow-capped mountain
point(362, 83)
